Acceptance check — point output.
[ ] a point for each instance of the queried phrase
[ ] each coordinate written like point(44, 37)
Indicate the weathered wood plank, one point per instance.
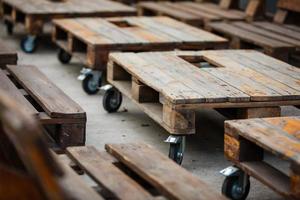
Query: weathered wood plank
point(72, 7)
point(279, 136)
point(49, 96)
point(161, 172)
point(7, 86)
point(270, 136)
point(230, 76)
point(199, 13)
point(109, 177)
point(74, 186)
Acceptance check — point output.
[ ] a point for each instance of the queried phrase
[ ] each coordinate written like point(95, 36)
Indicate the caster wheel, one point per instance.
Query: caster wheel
point(90, 85)
point(64, 57)
point(112, 100)
point(233, 189)
point(176, 152)
point(29, 44)
point(9, 27)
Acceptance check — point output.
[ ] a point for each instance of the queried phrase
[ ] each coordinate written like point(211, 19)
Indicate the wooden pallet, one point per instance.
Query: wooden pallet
point(91, 40)
point(275, 39)
point(246, 141)
point(63, 119)
point(124, 172)
point(34, 13)
point(134, 2)
point(170, 86)
point(7, 55)
point(199, 14)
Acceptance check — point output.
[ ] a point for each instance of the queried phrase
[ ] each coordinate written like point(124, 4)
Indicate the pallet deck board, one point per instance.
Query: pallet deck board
point(163, 70)
point(246, 141)
point(217, 79)
point(274, 40)
point(193, 13)
point(186, 11)
point(268, 175)
point(91, 160)
point(216, 10)
point(279, 136)
point(12, 90)
point(48, 95)
point(184, 186)
point(249, 36)
point(258, 80)
point(34, 14)
point(62, 119)
point(70, 7)
point(97, 37)
point(105, 29)
point(280, 38)
point(74, 184)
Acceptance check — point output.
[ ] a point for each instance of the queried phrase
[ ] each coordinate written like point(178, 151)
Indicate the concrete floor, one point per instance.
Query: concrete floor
point(204, 154)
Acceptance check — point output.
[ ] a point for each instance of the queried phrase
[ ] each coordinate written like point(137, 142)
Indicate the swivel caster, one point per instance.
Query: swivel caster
point(64, 57)
point(177, 147)
point(91, 83)
point(9, 27)
point(112, 100)
point(236, 186)
point(29, 44)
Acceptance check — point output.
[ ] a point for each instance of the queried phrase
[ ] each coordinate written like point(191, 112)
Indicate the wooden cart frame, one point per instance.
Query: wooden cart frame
point(246, 142)
point(92, 39)
point(63, 120)
point(35, 17)
point(174, 106)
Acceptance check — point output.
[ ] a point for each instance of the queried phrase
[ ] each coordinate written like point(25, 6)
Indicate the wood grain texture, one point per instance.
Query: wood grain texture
point(194, 13)
point(43, 100)
point(231, 76)
point(95, 38)
point(7, 86)
point(277, 135)
point(70, 7)
point(165, 175)
point(109, 177)
point(274, 38)
point(246, 141)
point(250, 83)
point(33, 14)
point(53, 100)
point(134, 31)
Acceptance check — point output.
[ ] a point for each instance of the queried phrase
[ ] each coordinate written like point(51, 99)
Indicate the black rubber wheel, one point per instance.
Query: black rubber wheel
point(64, 57)
point(112, 100)
point(9, 27)
point(175, 153)
point(90, 86)
point(232, 189)
point(29, 44)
